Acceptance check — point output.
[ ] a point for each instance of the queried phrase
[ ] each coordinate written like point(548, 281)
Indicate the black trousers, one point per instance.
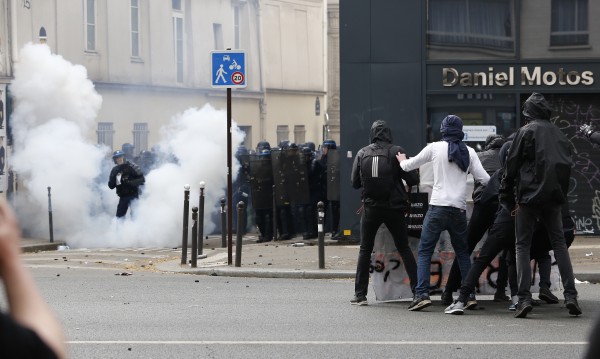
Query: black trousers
point(264, 221)
point(501, 236)
point(394, 220)
point(481, 219)
point(123, 205)
point(550, 217)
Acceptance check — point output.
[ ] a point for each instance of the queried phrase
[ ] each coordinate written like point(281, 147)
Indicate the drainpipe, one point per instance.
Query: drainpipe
point(14, 49)
point(263, 101)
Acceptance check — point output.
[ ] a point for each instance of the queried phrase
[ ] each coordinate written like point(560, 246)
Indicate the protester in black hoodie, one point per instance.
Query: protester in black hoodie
point(535, 186)
point(385, 201)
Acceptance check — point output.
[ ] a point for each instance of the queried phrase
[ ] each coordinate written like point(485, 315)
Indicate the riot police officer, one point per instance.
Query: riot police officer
point(127, 178)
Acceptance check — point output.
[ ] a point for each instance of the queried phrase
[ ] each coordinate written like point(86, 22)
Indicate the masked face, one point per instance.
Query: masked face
point(120, 160)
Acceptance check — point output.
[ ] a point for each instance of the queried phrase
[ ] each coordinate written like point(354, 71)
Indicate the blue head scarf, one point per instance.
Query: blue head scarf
point(452, 133)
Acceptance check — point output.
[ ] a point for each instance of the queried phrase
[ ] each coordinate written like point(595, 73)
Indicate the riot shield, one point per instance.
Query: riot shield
point(278, 158)
point(333, 175)
point(295, 170)
point(261, 182)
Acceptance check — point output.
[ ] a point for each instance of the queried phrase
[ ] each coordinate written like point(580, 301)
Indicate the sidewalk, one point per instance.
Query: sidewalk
point(297, 258)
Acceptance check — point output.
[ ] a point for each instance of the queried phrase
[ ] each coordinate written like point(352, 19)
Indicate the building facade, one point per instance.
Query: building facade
point(479, 60)
point(150, 60)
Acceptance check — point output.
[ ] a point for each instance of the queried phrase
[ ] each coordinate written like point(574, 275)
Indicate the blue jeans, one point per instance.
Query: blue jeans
point(437, 220)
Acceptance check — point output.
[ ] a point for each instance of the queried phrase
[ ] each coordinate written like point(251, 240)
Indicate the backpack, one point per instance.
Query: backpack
point(377, 169)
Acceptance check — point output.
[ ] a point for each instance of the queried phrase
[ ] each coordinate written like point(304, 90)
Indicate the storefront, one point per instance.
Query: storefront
point(479, 60)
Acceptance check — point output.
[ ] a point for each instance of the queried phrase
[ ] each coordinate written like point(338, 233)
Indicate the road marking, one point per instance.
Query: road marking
point(311, 342)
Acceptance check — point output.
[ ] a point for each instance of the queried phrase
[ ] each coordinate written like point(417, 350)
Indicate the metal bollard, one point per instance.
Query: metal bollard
point(201, 219)
point(194, 237)
point(274, 215)
point(321, 214)
point(223, 224)
point(238, 239)
point(186, 214)
point(50, 216)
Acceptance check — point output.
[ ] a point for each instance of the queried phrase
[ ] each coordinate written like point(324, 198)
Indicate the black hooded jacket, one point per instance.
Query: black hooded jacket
point(538, 166)
point(131, 179)
point(380, 136)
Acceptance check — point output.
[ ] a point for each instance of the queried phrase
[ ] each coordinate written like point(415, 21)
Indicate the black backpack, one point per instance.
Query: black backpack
point(377, 169)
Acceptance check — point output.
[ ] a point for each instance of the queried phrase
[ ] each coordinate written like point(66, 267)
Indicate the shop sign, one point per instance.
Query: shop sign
point(524, 76)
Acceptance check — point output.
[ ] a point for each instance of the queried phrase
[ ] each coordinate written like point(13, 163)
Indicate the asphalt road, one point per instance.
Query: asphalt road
point(111, 312)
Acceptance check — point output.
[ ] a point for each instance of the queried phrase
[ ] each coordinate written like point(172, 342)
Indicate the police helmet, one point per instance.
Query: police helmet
point(241, 150)
point(330, 144)
point(262, 145)
point(284, 144)
point(117, 154)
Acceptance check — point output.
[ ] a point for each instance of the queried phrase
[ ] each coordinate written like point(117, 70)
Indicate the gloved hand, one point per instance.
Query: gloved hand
point(587, 130)
point(507, 201)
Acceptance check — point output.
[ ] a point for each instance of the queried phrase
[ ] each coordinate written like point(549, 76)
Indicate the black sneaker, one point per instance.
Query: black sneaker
point(447, 298)
point(471, 302)
point(523, 308)
point(501, 297)
point(547, 296)
point(359, 300)
point(573, 306)
point(419, 303)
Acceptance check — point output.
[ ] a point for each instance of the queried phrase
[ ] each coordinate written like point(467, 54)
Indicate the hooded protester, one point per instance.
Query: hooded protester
point(501, 236)
point(534, 187)
point(451, 160)
point(385, 201)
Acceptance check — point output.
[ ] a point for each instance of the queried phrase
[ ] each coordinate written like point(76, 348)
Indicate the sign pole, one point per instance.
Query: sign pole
point(229, 70)
point(229, 183)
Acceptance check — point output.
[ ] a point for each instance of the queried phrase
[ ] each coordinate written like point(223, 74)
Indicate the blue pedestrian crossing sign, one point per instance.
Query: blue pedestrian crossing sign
point(228, 69)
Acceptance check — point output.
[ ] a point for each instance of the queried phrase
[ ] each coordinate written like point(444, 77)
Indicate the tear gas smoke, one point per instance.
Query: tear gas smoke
point(56, 106)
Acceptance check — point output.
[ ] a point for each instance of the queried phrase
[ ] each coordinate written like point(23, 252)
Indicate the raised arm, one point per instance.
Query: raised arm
point(26, 304)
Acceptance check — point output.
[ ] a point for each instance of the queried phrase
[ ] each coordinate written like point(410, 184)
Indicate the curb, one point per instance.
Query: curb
point(593, 278)
point(263, 273)
point(31, 248)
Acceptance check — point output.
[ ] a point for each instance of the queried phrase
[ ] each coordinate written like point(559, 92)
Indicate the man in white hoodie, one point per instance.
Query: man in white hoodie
point(451, 160)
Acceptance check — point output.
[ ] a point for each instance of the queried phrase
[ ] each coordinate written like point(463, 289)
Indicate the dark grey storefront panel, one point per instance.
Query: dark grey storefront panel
point(355, 31)
point(395, 31)
point(396, 98)
point(356, 118)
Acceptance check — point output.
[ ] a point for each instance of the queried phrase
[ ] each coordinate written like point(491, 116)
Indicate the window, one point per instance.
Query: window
point(283, 133)
point(178, 25)
point(178, 38)
point(140, 137)
point(299, 134)
point(236, 27)
point(90, 25)
point(135, 28)
point(218, 34)
point(176, 4)
point(105, 134)
point(486, 24)
point(569, 23)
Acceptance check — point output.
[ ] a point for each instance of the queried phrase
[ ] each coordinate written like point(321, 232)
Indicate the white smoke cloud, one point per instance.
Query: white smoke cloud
point(56, 106)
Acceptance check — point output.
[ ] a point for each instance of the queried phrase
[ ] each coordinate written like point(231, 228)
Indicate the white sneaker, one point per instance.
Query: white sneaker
point(456, 308)
point(513, 306)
